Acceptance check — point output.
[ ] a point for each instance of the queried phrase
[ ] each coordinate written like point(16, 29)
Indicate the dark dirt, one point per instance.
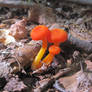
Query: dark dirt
point(16, 74)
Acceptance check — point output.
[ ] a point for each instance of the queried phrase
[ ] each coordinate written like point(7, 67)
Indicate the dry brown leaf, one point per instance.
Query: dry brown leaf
point(25, 55)
point(18, 30)
point(79, 82)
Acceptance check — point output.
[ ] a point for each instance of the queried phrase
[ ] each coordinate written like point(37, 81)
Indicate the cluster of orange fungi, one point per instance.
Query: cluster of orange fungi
point(55, 36)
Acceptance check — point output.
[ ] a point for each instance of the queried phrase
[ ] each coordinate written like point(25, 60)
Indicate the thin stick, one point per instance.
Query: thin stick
point(15, 4)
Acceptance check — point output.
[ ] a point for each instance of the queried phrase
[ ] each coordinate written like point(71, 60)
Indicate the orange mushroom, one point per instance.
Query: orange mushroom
point(40, 32)
point(53, 50)
point(57, 36)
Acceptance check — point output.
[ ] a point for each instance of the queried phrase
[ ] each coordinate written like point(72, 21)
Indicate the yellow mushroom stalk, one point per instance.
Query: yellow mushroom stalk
point(40, 32)
point(56, 37)
point(36, 63)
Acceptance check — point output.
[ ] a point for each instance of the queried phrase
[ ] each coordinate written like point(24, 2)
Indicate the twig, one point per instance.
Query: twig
point(15, 4)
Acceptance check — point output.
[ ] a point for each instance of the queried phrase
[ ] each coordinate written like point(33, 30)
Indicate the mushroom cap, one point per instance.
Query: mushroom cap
point(57, 36)
point(39, 32)
point(54, 49)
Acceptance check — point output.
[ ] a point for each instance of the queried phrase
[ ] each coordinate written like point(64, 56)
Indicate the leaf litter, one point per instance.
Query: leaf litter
point(71, 70)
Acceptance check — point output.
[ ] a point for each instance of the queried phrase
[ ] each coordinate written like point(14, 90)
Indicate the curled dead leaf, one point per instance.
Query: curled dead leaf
point(25, 55)
point(79, 82)
point(18, 30)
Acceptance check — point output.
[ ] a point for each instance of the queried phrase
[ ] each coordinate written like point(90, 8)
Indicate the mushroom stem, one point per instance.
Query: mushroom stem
point(48, 59)
point(36, 63)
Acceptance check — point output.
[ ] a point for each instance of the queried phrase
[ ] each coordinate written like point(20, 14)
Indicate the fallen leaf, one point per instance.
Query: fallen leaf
point(25, 55)
point(18, 30)
point(79, 82)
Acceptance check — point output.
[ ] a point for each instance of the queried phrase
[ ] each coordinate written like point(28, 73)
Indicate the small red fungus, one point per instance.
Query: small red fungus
point(53, 50)
point(56, 36)
point(40, 32)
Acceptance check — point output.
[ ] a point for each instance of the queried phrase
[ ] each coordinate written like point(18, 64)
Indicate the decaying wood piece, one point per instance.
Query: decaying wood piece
point(84, 45)
point(15, 4)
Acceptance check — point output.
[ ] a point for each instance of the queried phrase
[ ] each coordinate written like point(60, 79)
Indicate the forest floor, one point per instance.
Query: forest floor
point(70, 71)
